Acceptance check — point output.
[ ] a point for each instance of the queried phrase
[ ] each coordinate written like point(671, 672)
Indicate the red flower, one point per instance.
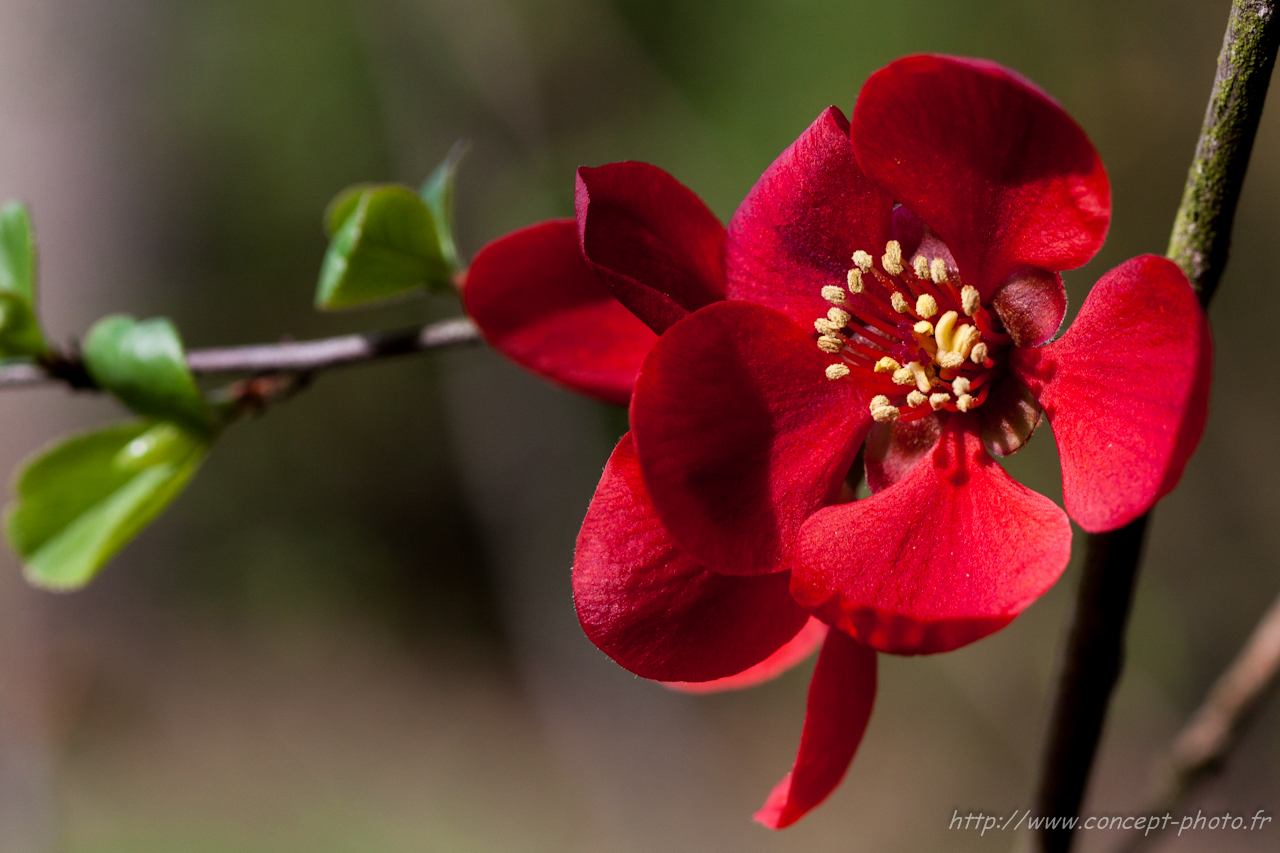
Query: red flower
point(723, 523)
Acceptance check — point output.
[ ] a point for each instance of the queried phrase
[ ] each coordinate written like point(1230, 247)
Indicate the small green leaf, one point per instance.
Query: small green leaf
point(437, 192)
point(143, 364)
point(83, 499)
point(19, 329)
point(343, 205)
point(386, 247)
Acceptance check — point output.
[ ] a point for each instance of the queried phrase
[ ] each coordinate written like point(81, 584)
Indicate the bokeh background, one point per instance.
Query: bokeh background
point(354, 632)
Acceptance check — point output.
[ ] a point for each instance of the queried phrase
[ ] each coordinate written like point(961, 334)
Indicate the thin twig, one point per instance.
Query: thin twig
point(290, 357)
point(1202, 747)
point(1199, 245)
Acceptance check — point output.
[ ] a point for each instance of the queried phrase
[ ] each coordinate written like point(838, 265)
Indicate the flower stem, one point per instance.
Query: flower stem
point(1199, 245)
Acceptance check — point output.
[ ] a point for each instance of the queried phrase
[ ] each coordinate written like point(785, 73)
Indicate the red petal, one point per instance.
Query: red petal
point(1031, 303)
point(991, 163)
point(538, 303)
point(653, 242)
point(841, 694)
point(793, 652)
point(741, 435)
point(950, 553)
point(655, 610)
point(894, 448)
point(1126, 390)
point(798, 228)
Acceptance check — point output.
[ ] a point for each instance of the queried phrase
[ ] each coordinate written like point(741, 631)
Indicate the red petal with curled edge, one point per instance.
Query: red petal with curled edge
point(741, 435)
point(652, 241)
point(536, 301)
point(841, 694)
point(798, 228)
point(991, 163)
point(792, 653)
point(947, 555)
point(656, 611)
point(1126, 391)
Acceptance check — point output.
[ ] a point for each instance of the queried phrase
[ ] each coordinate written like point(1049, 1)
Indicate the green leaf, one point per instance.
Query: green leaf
point(83, 499)
point(386, 247)
point(437, 192)
point(143, 364)
point(19, 328)
point(343, 205)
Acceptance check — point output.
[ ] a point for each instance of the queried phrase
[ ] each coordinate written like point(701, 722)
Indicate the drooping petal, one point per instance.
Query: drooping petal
point(655, 610)
point(894, 448)
point(991, 163)
point(841, 694)
point(792, 653)
point(1031, 304)
point(798, 228)
point(1126, 391)
point(1008, 417)
point(652, 241)
point(741, 435)
point(539, 304)
point(948, 554)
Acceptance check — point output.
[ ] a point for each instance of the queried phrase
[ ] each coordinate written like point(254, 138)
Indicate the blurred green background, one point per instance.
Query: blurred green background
point(355, 631)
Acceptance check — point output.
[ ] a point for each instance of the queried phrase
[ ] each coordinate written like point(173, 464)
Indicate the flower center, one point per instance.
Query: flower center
point(914, 333)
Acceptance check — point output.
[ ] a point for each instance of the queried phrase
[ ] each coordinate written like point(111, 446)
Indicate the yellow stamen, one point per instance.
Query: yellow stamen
point(960, 385)
point(915, 398)
point(950, 360)
point(937, 401)
point(924, 327)
point(828, 344)
point(921, 266)
point(969, 300)
point(964, 402)
point(887, 365)
point(964, 339)
point(938, 270)
point(882, 410)
point(979, 353)
point(855, 280)
point(926, 306)
point(833, 294)
point(826, 327)
point(837, 371)
point(892, 260)
point(862, 260)
point(899, 303)
point(839, 316)
point(904, 376)
point(942, 334)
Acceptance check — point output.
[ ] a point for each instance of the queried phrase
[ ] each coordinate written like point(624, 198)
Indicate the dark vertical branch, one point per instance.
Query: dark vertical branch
point(1199, 244)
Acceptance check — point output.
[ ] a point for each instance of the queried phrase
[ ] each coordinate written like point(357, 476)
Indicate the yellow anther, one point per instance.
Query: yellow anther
point(979, 353)
point(828, 344)
point(938, 270)
point(960, 385)
point(970, 301)
point(833, 294)
point(923, 380)
point(926, 306)
point(915, 398)
point(899, 302)
point(837, 371)
point(949, 360)
point(887, 365)
point(892, 259)
point(839, 316)
point(937, 401)
point(904, 376)
point(826, 327)
point(942, 334)
point(882, 410)
point(924, 327)
point(862, 260)
point(964, 402)
point(855, 280)
point(921, 266)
